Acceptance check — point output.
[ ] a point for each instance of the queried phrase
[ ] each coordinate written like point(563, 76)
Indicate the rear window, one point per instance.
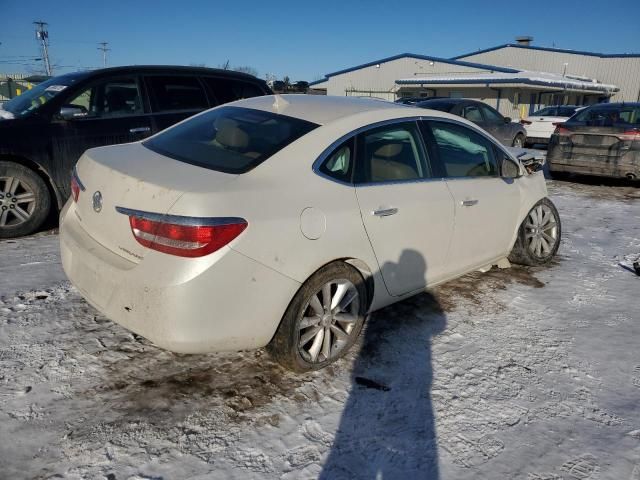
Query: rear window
point(227, 90)
point(436, 105)
point(609, 115)
point(229, 139)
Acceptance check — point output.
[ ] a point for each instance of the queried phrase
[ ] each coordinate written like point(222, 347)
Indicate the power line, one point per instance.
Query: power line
point(103, 47)
point(43, 35)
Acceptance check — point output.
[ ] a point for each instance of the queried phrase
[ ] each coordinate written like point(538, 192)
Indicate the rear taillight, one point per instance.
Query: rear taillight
point(183, 236)
point(630, 135)
point(525, 122)
point(76, 185)
point(560, 130)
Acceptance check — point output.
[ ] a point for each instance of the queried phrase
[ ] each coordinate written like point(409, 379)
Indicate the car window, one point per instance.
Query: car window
point(391, 153)
point(472, 113)
point(546, 112)
point(177, 93)
point(339, 164)
point(229, 139)
point(490, 115)
point(566, 111)
point(462, 151)
point(113, 98)
point(608, 115)
point(228, 90)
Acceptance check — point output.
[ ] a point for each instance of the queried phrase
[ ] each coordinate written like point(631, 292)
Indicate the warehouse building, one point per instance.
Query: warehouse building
point(496, 77)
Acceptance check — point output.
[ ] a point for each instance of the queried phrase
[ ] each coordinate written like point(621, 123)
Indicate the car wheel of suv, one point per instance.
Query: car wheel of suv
point(538, 236)
point(518, 141)
point(323, 320)
point(24, 200)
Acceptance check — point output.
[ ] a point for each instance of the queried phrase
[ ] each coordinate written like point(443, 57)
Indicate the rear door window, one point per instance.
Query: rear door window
point(229, 139)
point(227, 90)
point(174, 93)
point(392, 153)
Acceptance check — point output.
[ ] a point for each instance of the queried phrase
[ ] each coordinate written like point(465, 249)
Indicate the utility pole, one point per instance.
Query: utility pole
point(103, 47)
point(43, 36)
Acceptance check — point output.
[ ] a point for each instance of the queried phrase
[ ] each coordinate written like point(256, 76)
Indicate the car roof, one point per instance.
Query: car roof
point(322, 109)
point(142, 69)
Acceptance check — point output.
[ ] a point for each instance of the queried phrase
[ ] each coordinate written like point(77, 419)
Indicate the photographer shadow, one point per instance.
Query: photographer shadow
point(387, 429)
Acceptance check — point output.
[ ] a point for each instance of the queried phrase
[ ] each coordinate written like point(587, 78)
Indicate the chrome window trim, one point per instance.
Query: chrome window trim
point(179, 219)
point(330, 149)
point(74, 174)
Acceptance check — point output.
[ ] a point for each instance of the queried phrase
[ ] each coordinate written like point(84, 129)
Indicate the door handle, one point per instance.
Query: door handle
point(385, 212)
point(469, 203)
point(140, 130)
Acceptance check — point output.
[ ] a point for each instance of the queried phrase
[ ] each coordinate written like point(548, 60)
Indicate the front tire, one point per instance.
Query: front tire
point(323, 320)
point(24, 200)
point(538, 236)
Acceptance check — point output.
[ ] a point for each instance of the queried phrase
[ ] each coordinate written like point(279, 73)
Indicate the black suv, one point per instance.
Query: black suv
point(45, 130)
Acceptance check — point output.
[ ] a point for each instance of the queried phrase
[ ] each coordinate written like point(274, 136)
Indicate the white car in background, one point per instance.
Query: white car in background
point(285, 220)
point(541, 124)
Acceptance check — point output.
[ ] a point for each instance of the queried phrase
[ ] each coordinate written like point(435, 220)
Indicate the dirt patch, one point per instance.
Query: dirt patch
point(476, 287)
point(598, 188)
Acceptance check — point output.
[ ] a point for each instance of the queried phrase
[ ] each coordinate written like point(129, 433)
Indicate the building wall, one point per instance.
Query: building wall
point(380, 81)
point(624, 72)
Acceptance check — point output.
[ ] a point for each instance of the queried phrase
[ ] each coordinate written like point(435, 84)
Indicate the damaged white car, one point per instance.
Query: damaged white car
point(285, 220)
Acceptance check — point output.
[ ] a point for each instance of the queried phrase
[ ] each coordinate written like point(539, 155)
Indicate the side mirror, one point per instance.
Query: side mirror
point(71, 112)
point(509, 168)
point(507, 119)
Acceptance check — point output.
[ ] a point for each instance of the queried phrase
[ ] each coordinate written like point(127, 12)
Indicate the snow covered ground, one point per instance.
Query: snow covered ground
point(520, 373)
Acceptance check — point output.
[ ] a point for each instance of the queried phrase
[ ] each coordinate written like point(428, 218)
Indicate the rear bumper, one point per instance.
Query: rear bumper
point(618, 163)
point(539, 140)
point(223, 301)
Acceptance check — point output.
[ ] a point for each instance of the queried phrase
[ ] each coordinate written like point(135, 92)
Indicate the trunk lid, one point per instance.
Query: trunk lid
point(589, 140)
point(133, 177)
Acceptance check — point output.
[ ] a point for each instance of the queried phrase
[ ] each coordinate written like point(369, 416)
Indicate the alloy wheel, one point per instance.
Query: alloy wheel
point(17, 201)
point(541, 231)
point(328, 320)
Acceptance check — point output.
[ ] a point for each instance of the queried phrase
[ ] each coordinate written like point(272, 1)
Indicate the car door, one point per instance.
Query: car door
point(407, 212)
point(109, 111)
point(486, 205)
point(174, 98)
point(495, 124)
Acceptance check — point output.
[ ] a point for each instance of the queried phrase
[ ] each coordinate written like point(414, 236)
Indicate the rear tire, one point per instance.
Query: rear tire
point(538, 236)
point(24, 200)
point(518, 141)
point(328, 311)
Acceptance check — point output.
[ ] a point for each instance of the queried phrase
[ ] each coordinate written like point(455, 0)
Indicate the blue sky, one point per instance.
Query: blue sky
point(303, 40)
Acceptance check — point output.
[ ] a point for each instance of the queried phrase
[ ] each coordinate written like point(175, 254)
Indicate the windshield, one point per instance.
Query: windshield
point(33, 99)
point(229, 139)
point(609, 115)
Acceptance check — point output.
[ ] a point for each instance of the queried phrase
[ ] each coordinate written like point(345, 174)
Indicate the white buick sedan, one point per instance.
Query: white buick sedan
point(285, 220)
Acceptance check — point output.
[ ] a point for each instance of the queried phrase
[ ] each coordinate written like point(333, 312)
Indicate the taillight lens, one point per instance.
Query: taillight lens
point(187, 237)
point(630, 135)
point(560, 130)
point(525, 122)
point(76, 185)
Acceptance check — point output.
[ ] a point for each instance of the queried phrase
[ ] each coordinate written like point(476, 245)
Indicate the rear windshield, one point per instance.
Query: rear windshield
point(609, 115)
point(229, 139)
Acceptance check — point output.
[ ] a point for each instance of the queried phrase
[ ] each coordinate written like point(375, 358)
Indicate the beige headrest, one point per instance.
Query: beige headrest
point(389, 150)
point(230, 135)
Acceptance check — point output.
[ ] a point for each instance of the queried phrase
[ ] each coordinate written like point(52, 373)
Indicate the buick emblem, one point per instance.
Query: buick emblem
point(97, 201)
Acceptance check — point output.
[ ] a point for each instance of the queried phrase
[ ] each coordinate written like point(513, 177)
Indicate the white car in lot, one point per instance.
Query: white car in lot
point(540, 125)
point(283, 221)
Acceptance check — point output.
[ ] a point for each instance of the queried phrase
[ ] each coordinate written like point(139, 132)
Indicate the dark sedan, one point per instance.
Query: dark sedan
point(502, 128)
point(603, 140)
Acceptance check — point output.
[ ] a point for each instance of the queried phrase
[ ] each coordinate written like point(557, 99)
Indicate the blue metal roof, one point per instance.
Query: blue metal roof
point(550, 49)
point(494, 81)
point(450, 61)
